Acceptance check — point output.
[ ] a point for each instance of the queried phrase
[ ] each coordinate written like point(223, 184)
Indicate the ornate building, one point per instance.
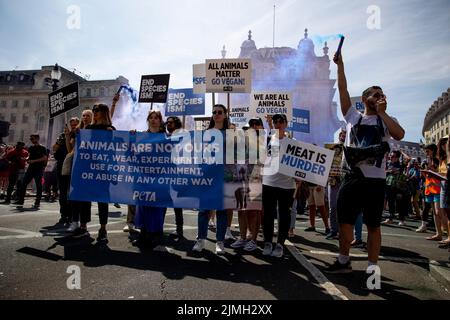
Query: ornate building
point(24, 101)
point(437, 120)
point(300, 71)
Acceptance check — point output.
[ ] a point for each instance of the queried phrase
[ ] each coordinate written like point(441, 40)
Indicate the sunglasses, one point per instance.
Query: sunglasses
point(217, 112)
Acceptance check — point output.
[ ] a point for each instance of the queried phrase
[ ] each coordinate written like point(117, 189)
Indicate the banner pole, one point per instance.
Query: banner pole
point(184, 121)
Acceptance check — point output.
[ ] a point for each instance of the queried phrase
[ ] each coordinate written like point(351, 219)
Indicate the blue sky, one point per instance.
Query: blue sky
point(409, 56)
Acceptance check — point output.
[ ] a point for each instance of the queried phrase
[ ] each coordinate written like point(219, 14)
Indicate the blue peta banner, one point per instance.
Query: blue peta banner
point(182, 102)
point(137, 168)
point(300, 121)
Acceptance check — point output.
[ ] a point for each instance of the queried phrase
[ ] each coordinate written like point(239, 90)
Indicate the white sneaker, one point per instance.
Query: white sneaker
point(402, 223)
point(421, 229)
point(229, 235)
point(278, 251)
point(267, 249)
point(238, 244)
point(220, 249)
point(250, 246)
point(129, 227)
point(199, 245)
point(73, 226)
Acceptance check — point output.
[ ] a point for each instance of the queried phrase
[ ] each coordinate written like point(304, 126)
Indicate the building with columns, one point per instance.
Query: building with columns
point(24, 101)
point(437, 120)
point(300, 71)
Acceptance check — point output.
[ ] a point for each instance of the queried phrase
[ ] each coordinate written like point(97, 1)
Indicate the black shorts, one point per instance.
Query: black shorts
point(357, 195)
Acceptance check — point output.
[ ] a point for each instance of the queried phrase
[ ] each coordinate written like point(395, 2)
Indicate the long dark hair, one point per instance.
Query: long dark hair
point(441, 152)
point(226, 122)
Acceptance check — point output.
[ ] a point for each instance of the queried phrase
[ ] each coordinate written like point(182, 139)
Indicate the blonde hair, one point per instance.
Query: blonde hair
point(81, 125)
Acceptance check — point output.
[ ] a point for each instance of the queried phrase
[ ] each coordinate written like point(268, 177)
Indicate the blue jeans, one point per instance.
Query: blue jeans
point(358, 227)
point(221, 221)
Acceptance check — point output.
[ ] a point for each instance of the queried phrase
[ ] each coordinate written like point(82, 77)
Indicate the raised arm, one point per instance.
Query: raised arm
point(344, 96)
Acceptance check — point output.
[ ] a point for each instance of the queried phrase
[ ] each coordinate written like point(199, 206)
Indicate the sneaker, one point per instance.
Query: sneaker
point(358, 244)
point(332, 236)
point(176, 234)
point(250, 246)
point(267, 249)
point(18, 203)
point(73, 226)
point(79, 233)
point(102, 236)
point(36, 205)
point(238, 244)
point(229, 235)
point(199, 245)
point(128, 227)
point(211, 224)
point(402, 223)
point(421, 229)
point(220, 249)
point(337, 267)
point(388, 221)
point(278, 251)
point(310, 229)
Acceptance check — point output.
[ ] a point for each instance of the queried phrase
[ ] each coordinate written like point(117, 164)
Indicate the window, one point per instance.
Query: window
point(22, 135)
point(42, 104)
point(24, 118)
point(2, 117)
point(15, 103)
point(40, 123)
point(26, 103)
point(13, 118)
point(3, 104)
point(102, 92)
point(88, 92)
point(11, 136)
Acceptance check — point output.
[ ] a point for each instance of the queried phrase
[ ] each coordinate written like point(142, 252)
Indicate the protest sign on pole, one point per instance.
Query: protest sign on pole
point(182, 102)
point(154, 88)
point(240, 115)
point(202, 123)
point(270, 103)
point(198, 78)
point(305, 161)
point(228, 75)
point(63, 100)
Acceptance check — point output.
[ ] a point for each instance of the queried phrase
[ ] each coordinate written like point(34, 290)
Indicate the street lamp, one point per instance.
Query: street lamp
point(55, 76)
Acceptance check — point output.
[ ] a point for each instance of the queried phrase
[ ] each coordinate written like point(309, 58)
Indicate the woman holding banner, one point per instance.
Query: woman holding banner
point(277, 193)
point(101, 121)
point(150, 220)
point(219, 121)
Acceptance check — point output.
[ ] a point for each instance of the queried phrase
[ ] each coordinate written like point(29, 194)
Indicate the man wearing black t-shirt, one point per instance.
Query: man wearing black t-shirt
point(37, 160)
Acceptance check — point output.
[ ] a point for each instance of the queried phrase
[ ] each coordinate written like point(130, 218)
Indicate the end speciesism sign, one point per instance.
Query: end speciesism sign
point(63, 100)
point(154, 88)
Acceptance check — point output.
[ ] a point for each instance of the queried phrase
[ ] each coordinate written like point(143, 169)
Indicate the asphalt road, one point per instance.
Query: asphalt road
point(35, 260)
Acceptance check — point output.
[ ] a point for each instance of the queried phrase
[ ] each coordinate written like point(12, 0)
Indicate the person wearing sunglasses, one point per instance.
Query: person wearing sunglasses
point(277, 193)
point(219, 121)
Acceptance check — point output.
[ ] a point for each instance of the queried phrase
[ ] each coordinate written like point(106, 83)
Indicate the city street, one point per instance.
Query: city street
point(36, 259)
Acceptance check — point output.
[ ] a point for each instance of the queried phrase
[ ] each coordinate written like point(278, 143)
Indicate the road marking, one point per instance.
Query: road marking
point(363, 255)
point(23, 234)
point(326, 284)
